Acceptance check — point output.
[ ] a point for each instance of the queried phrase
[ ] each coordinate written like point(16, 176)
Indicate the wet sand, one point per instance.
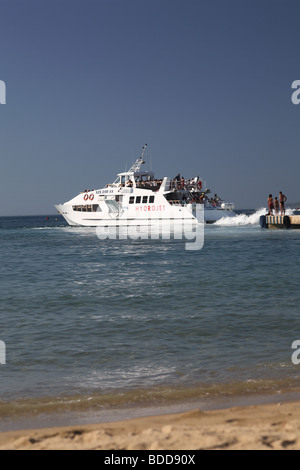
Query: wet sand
point(267, 427)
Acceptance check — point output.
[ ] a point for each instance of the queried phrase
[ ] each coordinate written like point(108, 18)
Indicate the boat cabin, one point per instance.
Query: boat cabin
point(134, 179)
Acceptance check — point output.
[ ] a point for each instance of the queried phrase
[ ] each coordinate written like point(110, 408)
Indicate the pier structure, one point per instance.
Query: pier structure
point(280, 221)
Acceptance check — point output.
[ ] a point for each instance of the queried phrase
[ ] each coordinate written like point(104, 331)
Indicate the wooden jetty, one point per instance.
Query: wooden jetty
point(280, 221)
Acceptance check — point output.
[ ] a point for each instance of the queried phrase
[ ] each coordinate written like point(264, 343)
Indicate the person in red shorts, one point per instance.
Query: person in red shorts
point(270, 204)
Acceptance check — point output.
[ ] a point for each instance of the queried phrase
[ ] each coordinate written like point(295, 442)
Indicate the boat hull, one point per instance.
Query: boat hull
point(187, 214)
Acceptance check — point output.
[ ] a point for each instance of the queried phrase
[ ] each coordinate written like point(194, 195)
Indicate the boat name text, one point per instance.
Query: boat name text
point(105, 191)
point(150, 208)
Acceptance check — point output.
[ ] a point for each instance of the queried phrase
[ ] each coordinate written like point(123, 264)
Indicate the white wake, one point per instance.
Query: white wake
point(244, 219)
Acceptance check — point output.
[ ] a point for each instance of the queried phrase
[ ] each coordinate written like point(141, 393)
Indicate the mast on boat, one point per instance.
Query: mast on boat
point(139, 162)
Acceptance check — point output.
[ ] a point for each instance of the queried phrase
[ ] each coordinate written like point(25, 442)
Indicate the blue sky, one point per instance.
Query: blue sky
point(205, 83)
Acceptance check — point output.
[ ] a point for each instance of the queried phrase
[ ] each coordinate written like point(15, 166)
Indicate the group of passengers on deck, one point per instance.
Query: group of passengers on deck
point(180, 183)
point(192, 185)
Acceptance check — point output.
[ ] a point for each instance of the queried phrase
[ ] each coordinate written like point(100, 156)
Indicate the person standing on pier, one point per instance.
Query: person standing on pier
point(276, 206)
point(270, 204)
point(282, 200)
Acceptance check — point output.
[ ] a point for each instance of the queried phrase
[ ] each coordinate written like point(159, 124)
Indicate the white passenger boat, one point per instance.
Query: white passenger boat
point(137, 198)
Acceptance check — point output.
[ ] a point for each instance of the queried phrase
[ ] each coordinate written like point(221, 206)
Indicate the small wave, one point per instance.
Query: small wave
point(57, 227)
point(161, 395)
point(242, 219)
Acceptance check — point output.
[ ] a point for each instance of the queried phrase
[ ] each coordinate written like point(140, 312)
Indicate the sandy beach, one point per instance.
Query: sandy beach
point(264, 427)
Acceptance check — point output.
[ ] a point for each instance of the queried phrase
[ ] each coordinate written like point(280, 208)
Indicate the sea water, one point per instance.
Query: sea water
point(92, 324)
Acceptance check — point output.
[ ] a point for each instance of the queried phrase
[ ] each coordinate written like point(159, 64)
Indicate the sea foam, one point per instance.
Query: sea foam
point(244, 219)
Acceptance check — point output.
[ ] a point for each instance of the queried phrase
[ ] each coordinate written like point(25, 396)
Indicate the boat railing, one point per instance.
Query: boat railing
point(177, 202)
point(185, 185)
point(152, 185)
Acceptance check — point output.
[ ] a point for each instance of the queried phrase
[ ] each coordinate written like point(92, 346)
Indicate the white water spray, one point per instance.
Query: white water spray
point(244, 219)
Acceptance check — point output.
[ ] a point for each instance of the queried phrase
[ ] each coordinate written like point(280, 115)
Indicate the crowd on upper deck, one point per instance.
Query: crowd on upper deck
point(191, 184)
point(177, 183)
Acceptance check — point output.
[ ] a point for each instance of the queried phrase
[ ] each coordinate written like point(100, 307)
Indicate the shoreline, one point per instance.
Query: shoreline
point(77, 410)
point(257, 422)
point(266, 426)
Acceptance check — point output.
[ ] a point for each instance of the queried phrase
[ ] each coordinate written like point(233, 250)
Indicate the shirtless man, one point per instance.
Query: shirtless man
point(282, 200)
point(276, 206)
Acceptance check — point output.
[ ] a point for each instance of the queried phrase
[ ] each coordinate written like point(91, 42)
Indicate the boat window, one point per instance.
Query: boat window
point(145, 199)
point(138, 199)
point(151, 199)
point(87, 208)
point(131, 200)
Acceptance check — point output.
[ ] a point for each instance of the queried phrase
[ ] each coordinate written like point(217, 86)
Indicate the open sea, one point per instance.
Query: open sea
point(108, 329)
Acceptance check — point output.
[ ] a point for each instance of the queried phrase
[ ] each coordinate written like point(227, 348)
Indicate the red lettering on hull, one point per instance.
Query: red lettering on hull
point(158, 208)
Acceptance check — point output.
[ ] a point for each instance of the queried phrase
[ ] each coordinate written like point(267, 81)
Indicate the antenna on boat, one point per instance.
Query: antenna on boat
point(142, 156)
point(139, 162)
